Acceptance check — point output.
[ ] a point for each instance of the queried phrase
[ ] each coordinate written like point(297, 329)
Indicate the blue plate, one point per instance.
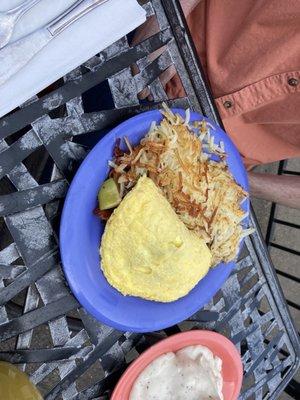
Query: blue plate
point(81, 230)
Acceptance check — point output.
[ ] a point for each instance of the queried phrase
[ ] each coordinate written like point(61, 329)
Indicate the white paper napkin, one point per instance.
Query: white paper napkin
point(79, 42)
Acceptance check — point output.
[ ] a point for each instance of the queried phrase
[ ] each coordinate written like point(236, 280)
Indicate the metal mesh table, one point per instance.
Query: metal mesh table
point(43, 329)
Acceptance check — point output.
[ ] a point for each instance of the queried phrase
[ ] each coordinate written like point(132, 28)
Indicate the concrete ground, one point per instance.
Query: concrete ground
point(285, 236)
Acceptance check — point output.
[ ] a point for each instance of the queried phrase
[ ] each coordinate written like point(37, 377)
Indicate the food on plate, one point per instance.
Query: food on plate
point(182, 160)
point(147, 251)
point(108, 196)
point(192, 373)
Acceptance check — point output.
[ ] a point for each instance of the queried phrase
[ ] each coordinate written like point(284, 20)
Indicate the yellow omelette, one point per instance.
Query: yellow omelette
point(147, 251)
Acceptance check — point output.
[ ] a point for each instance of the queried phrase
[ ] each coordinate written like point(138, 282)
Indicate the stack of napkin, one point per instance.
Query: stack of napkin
point(83, 39)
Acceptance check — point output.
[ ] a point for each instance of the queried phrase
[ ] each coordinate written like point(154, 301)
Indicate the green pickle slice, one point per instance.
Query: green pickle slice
point(109, 196)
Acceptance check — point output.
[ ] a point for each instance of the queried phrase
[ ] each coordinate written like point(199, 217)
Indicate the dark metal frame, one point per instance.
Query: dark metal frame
point(293, 389)
point(250, 307)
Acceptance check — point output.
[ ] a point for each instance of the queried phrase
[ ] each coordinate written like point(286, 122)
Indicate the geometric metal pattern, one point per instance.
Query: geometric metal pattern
point(41, 146)
point(290, 229)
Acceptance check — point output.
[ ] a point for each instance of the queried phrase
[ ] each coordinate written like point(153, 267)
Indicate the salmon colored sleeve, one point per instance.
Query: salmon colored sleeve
point(250, 54)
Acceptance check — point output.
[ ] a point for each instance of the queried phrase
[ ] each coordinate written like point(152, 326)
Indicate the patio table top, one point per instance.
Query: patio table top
point(43, 328)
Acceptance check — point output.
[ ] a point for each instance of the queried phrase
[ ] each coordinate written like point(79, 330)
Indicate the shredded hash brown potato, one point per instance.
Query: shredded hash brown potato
point(177, 156)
